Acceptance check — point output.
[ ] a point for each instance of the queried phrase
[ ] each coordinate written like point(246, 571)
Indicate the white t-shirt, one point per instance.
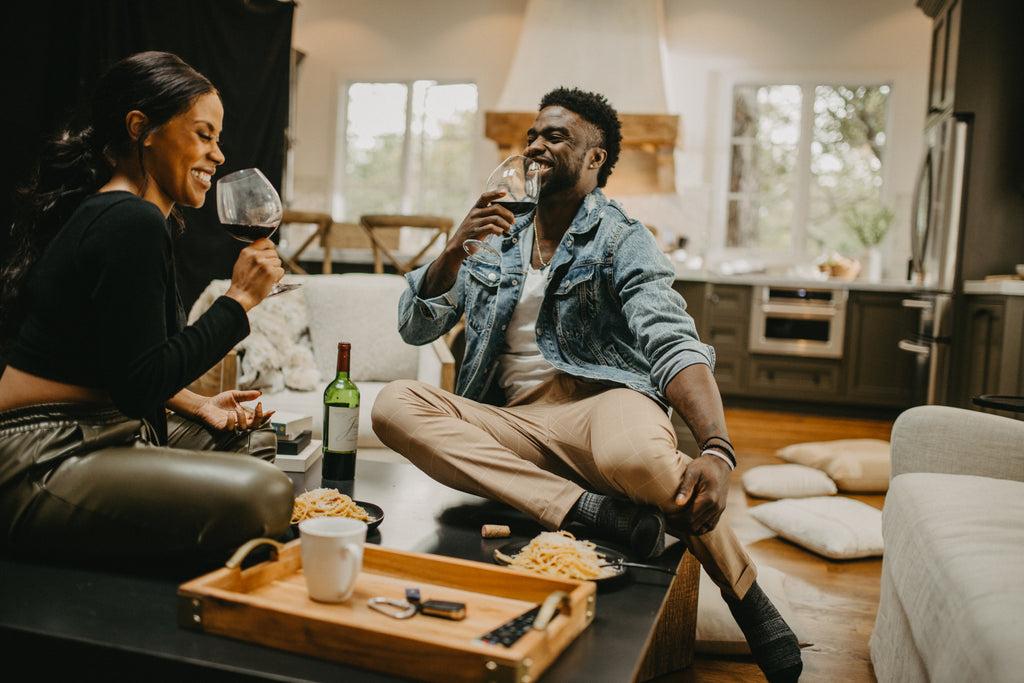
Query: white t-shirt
point(520, 363)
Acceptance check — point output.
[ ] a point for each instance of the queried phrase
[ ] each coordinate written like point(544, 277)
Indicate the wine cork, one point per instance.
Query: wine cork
point(495, 531)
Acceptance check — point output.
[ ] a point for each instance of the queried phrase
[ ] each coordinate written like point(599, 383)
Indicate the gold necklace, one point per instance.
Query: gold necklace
point(536, 243)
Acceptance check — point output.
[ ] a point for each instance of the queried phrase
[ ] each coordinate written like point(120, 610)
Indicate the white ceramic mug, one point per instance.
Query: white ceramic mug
point(332, 555)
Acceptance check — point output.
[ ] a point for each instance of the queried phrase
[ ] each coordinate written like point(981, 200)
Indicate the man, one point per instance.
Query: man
point(576, 348)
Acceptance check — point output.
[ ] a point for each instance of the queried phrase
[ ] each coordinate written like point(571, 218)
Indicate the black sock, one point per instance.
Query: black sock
point(641, 527)
point(772, 642)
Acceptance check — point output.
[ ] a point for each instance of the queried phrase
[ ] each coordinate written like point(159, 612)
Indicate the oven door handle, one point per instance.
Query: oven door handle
point(914, 347)
point(800, 310)
point(923, 304)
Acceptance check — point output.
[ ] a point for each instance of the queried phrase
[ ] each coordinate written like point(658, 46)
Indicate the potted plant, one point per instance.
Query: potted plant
point(870, 222)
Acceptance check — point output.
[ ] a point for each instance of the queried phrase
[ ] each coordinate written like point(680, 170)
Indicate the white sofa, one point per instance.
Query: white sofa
point(952, 593)
point(291, 353)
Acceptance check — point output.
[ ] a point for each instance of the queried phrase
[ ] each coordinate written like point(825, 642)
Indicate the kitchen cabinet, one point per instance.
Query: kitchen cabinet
point(722, 314)
point(875, 370)
point(993, 360)
point(794, 379)
point(944, 55)
point(872, 373)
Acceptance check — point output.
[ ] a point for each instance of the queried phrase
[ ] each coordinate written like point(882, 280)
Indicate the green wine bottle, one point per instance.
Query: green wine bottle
point(341, 422)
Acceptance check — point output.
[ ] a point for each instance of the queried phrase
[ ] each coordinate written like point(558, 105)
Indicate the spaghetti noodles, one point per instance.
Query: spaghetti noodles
point(326, 503)
point(559, 553)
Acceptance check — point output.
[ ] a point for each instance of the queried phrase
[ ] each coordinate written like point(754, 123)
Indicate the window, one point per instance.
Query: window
point(804, 160)
point(406, 148)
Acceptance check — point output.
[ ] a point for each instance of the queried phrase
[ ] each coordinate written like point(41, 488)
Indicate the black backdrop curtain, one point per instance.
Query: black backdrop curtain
point(56, 49)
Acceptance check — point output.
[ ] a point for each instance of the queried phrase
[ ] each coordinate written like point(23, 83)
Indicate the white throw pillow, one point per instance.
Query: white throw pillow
point(717, 632)
point(362, 309)
point(787, 481)
point(855, 465)
point(835, 527)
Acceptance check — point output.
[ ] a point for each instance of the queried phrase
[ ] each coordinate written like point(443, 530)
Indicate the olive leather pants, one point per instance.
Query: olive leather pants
point(81, 482)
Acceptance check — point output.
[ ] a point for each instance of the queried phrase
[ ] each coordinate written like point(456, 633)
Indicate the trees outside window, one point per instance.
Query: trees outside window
point(407, 148)
point(803, 159)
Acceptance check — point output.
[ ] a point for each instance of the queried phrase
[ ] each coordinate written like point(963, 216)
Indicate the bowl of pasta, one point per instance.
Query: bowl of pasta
point(325, 502)
point(559, 553)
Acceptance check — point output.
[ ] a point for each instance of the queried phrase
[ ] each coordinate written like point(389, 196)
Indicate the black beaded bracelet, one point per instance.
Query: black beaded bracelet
point(712, 438)
point(727, 450)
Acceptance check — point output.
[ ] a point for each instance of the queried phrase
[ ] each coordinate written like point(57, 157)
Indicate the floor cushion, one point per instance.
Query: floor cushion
point(855, 465)
point(717, 631)
point(832, 526)
point(787, 481)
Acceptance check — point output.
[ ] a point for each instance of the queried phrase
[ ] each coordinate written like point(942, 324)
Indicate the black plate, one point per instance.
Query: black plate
point(375, 513)
point(513, 548)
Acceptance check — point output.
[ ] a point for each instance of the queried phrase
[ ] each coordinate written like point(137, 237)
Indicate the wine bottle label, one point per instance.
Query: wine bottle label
point(342, 428)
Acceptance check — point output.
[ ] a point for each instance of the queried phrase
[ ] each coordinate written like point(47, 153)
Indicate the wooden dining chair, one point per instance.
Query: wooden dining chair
point(383, 229)
point(322, 221)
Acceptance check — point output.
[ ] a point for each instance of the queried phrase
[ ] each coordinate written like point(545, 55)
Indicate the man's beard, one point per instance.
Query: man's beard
point(561, 178)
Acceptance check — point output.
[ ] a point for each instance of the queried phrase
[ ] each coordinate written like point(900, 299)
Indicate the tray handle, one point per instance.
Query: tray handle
point(558, 599)
point(243, 551)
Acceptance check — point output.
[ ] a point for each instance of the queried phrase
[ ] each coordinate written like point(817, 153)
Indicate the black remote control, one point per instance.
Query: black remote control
point(511, 631)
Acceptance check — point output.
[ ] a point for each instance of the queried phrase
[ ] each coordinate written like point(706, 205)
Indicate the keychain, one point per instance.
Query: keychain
point(403, 609)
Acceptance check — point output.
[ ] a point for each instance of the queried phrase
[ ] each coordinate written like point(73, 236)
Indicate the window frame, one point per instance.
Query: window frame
point(718, 232)
point(339, 181)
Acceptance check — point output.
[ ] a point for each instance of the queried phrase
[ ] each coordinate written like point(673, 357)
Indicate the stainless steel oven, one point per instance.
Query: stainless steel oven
point(798, 321)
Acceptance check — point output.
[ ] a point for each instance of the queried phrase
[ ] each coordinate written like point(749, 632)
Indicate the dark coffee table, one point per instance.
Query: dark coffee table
point(125, 625)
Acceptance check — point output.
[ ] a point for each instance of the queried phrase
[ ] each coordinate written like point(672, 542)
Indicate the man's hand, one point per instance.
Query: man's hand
point(484, 219)
point(702, 494)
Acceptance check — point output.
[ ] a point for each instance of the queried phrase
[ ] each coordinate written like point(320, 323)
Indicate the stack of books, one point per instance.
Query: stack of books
point(297, 451)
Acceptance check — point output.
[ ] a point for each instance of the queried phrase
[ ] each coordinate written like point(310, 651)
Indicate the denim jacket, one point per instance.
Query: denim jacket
point(609, 312)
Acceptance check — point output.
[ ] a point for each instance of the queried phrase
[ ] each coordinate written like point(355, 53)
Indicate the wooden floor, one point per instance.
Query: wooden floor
point(838, 599)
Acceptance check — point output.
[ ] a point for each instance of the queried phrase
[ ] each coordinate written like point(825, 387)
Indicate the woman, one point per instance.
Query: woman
point(91, 462)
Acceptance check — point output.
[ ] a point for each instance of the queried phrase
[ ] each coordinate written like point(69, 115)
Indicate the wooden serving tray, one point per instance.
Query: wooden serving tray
point(268, 604)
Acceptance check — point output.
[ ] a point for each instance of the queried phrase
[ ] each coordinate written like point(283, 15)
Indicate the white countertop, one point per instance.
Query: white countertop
point(1007, 287)
point(782, 280)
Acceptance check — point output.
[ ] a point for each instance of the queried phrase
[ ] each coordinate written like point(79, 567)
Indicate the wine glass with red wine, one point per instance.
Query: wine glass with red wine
point(518, 178)
point(250, 208)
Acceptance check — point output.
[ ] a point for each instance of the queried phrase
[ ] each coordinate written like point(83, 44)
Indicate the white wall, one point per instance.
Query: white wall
point(710, 44)
point(392, 39)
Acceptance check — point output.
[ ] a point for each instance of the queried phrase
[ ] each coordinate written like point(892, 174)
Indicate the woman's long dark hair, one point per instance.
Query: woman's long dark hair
point(75, 164)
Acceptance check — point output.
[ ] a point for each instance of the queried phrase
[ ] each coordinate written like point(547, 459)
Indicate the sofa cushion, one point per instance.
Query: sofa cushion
point(954, 549)
point(855, 465)
point(787, 481)
point(835, 527)
point(362, 309)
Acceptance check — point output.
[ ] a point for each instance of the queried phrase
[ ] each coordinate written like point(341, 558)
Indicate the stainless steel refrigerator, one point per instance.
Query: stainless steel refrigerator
point(936, 219)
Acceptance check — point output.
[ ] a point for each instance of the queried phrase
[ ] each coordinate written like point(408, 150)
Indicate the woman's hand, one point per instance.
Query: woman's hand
point(257, 269)
point(225, 411)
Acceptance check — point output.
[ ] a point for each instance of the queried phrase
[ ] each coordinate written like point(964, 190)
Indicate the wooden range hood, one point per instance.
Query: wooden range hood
point(646, 164)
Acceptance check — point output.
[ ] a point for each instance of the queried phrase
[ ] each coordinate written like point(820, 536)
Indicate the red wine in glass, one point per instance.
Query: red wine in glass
point(517, 177)
point(518, 208)
point(250, 208)
point(249, 233)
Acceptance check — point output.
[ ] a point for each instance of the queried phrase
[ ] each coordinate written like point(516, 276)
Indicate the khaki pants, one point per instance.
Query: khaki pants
point(541, 453)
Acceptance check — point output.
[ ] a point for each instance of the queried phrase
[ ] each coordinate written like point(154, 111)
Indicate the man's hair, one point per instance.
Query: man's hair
point(595, 109)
